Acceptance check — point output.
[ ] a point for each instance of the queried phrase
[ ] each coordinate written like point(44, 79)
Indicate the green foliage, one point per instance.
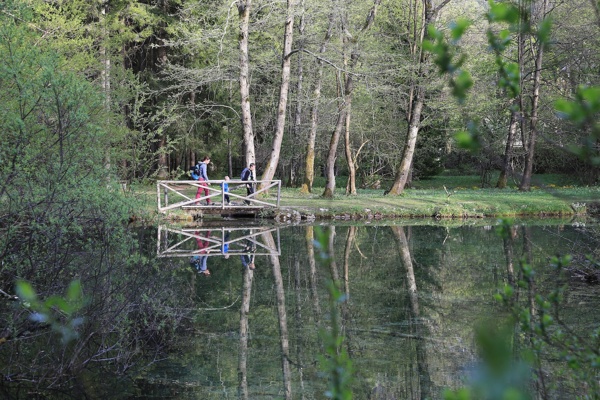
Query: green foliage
point(499, 377)
point(57, 311)
point(550, 335)
point(583, 112)
point(446, 59)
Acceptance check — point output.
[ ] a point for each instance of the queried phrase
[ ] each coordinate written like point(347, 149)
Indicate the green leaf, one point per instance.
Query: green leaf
point(503, 12)
point(544, 30)
point(458, 28)
point(25, 291)
point(74, 292)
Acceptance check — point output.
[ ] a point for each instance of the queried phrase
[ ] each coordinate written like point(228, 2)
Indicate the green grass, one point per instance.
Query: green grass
point(448, 197)
point(474, 181)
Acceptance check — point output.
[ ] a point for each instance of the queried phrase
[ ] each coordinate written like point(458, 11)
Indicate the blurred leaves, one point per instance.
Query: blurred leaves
point(57, 311)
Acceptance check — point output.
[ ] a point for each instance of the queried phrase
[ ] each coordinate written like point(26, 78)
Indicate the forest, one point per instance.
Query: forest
point(380, 92)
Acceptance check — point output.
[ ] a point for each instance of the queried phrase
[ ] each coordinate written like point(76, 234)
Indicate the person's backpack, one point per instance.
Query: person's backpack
point(195, 169)
point(245, 174)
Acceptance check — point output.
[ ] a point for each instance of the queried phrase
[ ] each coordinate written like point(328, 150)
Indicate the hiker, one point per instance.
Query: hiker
point(249, 176)
point(203, 178)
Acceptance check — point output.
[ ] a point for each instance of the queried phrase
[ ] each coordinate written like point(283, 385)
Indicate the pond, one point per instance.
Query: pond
point(225, 309)
point(413, 295)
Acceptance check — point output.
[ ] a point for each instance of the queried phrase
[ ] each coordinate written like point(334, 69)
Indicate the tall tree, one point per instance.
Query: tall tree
point(428, 14)
point(244, 15)
point(538, 50)
point(288, 35)
point(309, 167)
point(347, 88)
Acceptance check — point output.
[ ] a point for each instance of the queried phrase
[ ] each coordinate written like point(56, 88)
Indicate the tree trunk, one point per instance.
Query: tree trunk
point(516, 115)
point(309, 169)
point(313, 276)
point(331, 156)
point(344, 107)
point(244, 14)
point(282, 317)
point(105, 55)
point(351, 186)
point(296, 127)
point(506, 160)
point(403, 172)
point(429, 15)
point(161, 59)
point(535, 100)
point(269, 171)
point(248, 274)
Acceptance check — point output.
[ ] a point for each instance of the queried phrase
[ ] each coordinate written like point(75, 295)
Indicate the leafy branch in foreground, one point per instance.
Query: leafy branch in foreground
point(550, 335)
point(60, 313)
point(336, 363)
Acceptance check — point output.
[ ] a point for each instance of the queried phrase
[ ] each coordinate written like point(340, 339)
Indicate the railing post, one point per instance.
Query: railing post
point(158, 194)
point(278, 192)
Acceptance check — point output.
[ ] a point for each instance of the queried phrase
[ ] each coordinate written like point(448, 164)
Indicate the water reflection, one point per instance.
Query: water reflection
point(224, 241)
point(414, 295)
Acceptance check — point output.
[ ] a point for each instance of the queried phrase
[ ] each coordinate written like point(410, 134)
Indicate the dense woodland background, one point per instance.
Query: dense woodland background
point(327, 82)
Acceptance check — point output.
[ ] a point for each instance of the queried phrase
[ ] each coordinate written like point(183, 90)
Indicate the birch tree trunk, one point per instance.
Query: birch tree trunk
point(512, 131)
point(282, 317)
point(244, 15)
point(269, 171)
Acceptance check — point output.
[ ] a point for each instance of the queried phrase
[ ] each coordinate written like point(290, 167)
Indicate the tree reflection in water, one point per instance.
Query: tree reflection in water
point(414, 294)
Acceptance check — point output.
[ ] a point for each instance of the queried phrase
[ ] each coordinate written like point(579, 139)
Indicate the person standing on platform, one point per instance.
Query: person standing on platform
point(249, 176)
point(203, 179)
point(225, 187)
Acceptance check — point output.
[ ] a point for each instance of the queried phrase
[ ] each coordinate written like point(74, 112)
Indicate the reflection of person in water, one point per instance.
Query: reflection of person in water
point(199, 262)
point(225, 246)
point(248, 258)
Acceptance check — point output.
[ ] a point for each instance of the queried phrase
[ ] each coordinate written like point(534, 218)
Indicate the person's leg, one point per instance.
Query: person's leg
point(249, 191)
point(203, 188)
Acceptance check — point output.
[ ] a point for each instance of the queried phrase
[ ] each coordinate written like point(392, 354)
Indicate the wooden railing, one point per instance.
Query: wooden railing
point(182, 194)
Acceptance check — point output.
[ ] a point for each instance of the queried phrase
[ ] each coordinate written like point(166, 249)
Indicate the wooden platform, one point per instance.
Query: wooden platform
point(233, 209)
point(191, 196)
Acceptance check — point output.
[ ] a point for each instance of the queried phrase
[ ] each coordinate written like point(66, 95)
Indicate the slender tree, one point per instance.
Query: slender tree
point(538, 49)
point(348, 87)
point(269, 171)
point(309, 167)
point(428, 14)
point(244, 15)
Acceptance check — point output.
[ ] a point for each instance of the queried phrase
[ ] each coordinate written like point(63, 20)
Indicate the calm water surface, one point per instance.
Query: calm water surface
point(414, 294)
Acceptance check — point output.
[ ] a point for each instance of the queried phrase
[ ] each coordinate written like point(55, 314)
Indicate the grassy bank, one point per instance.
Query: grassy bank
point(442, 197)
